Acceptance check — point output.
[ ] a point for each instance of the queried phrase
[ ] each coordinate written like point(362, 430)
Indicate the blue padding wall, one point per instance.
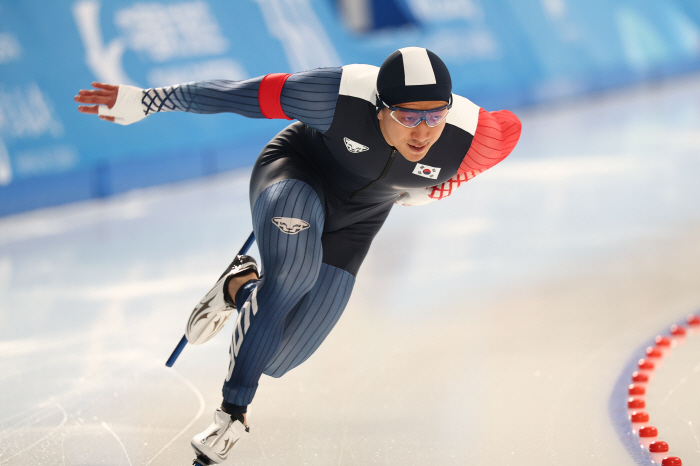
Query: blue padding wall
point(502, 54)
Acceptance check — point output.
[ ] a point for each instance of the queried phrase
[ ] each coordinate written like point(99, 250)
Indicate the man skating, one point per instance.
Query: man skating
point(366, 138)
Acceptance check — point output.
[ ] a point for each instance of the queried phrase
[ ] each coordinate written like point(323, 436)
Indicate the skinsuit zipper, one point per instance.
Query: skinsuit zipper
point(384, 172)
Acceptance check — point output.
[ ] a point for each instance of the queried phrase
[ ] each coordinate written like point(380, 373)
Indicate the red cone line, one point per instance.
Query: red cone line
point(662, 341)
point(637, 390)
point(645, 365)
point(677, 330)
point(658, 447)
point(636, 403)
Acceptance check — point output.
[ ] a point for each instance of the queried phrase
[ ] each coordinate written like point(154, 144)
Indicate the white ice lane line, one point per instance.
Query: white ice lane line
point(262, 448)
point(65, 418)
point(104, 424)
point(681, 382)
point(25, 417)
point(197, 416)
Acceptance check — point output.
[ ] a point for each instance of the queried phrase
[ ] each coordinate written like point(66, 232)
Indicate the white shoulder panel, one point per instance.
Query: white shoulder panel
point(463, 114)
point(360, 81)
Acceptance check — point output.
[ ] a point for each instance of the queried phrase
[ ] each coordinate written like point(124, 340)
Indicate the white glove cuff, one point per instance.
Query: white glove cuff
point(128, 108)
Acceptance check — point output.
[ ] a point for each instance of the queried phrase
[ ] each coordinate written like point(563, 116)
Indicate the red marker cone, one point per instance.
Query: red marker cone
point(647, 434)
point(635, 404)
point(658, 451)
point(638, 420)
point(636, 390)
point(640, 378)
point(646, 367)
point(671, 461)
point(654, 354)
point(678, 333)
point(664, 344)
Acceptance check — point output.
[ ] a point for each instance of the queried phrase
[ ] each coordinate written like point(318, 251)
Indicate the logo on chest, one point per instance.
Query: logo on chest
point(426, 171)
point(354, 147)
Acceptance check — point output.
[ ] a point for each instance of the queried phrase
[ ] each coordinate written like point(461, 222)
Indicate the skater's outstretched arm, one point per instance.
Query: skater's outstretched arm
point(308, 96)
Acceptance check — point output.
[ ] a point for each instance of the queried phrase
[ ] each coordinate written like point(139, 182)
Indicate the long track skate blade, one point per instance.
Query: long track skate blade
point(202, 461)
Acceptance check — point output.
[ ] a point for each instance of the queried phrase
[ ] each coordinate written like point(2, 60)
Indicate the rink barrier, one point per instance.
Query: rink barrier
point(183, 341)
point(627, 404)
point(501, 54)
point(118, 176)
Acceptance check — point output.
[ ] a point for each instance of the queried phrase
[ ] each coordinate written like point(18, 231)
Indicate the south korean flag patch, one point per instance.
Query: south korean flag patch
point(426, 171)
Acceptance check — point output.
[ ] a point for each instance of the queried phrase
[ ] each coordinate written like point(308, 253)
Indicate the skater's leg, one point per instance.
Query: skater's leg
point(313, 319)
point(283, 186)
point(288, 223)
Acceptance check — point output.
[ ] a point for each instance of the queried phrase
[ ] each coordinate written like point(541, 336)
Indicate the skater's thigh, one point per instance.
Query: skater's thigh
point(287, 205)
point(288, 224)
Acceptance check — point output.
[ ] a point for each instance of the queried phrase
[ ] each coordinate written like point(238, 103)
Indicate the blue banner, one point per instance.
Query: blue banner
point(501, 53)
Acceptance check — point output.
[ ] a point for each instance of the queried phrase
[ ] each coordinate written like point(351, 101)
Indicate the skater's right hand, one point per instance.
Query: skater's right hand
point(118, 104)
point(106, 94)
point(417, 196)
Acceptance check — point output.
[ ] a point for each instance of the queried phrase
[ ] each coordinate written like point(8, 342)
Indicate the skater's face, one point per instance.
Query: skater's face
point(412, 143)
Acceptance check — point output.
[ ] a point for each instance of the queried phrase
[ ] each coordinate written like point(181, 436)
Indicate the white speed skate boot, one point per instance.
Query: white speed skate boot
point(216, 442)
point(211, 314)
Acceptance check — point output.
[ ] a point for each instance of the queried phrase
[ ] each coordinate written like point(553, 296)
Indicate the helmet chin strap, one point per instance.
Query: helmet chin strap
point(378, 103)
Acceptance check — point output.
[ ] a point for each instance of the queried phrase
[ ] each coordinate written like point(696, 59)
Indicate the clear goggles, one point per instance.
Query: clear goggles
point(411, 118)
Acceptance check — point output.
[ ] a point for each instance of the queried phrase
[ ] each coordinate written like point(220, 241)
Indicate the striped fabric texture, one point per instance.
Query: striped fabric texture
point(291, 263)
point(312, 319)
point(308, 96)
point(496, 135)
point(206, 97)
point(494, 139)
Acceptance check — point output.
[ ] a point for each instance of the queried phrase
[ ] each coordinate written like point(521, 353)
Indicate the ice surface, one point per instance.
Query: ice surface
point(487, 328)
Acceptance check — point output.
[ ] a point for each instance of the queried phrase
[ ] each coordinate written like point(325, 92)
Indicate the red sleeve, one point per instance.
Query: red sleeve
point(496, 135)
point(269, 95)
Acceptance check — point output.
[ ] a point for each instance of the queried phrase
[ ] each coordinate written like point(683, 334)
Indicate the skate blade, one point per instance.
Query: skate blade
point(202, 461)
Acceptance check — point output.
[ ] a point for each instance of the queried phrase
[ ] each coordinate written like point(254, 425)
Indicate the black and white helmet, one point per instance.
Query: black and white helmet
point(413, 74)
